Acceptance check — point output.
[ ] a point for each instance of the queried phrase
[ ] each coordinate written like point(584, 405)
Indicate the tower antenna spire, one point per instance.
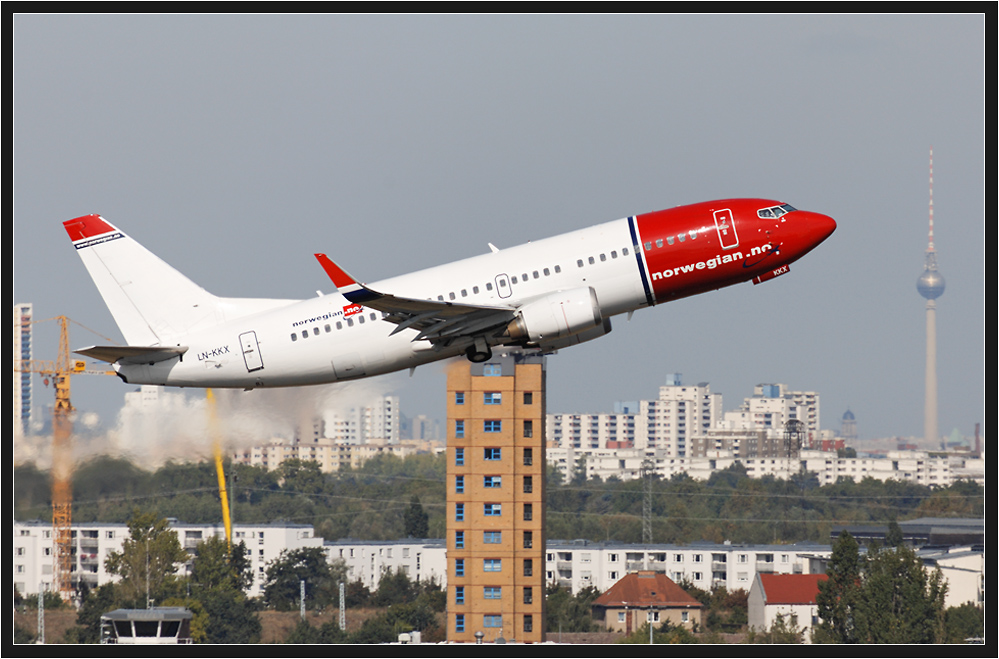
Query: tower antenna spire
point(931, 286)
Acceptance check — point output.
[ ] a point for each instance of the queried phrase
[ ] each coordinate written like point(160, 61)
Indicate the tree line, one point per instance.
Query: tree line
point(375, 501)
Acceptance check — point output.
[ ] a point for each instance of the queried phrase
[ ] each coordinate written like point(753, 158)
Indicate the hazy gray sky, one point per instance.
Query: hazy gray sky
point(236, 147)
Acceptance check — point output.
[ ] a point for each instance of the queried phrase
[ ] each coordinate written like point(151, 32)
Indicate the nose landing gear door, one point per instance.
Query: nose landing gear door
point(725, 225)
point(251, 351)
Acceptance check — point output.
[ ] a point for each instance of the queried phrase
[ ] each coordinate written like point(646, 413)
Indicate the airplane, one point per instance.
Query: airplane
point(545, 295)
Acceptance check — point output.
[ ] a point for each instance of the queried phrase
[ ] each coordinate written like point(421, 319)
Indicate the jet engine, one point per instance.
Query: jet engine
point(556, 316)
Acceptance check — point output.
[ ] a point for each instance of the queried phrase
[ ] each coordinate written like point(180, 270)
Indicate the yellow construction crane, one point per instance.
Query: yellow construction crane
point(59, 372)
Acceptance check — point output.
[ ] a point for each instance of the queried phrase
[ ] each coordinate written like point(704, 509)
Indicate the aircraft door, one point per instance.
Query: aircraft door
point(725, 225)
point(503, 286)
point(251, 351)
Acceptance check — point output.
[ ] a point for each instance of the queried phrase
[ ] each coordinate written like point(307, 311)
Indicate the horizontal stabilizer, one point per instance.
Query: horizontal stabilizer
point(132, 354)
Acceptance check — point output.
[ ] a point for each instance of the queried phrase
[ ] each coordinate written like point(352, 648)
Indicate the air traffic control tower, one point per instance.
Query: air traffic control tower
point(496, 500)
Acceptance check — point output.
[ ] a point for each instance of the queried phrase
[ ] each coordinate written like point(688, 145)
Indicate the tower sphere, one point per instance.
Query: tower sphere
point(930, 284)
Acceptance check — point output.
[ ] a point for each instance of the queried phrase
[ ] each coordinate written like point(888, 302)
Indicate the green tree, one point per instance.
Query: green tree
point(839, 595)
point(902, 601)
point(219, 579)
point(96, 602)
point(393, 588)
point(148, 560)
point(964, 622)
point(215, 567)
point(570, 613)
point(322, 579)
point(302, 476)
point(416, 520)
point(894, 537)
point(889, 597)
point(231, 618)
point(667, 632)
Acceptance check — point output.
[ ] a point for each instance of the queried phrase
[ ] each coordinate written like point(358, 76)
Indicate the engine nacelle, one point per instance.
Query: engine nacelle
point(602, 329)
point(556, 316)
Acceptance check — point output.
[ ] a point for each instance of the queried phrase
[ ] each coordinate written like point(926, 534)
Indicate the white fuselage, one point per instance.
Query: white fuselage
point(546, 294)
point(312, 342)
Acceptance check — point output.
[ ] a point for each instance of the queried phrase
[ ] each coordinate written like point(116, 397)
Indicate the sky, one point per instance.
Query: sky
point(235, 147)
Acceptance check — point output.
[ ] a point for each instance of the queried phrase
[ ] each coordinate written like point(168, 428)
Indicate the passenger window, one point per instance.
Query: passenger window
point(339, 325)
point(648, 247)
point(294, 337)
point(360, 319)
point(464, 292)
point(315, 330)
point(305, 334)
point(475, 290)
point(614, 254)
point(536, 275)
point(579, 262)
point(547, 272)
point(350, 322)
point(624, 252)
point(513, 280)
point(682, 237)
point(558, 269)
point(451, 295)
point(489, 286)
point(670, 240)
point(328, 328)
point(659, 243)
point(603, 257)
point(591, 260)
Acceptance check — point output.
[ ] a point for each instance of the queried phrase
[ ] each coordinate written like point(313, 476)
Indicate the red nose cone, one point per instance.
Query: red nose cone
point(824, 226)
point(819, 227)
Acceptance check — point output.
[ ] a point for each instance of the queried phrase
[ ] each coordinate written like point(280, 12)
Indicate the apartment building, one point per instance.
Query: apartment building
point(495, 499)
point(34, 549)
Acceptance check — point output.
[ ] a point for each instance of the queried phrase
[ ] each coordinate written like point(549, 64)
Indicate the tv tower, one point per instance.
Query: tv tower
point(931, 286)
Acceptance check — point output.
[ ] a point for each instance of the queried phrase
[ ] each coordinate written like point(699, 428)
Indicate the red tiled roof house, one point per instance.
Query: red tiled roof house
point(643, 596)
point(787, 595)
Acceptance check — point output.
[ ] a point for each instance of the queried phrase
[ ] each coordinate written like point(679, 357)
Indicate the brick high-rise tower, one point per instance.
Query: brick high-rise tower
point(496, 499)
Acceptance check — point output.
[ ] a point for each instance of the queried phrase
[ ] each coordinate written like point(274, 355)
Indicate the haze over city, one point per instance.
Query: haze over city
point(234, 147)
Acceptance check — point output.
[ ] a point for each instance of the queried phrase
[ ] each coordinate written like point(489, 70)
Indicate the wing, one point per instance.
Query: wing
point(441, 323)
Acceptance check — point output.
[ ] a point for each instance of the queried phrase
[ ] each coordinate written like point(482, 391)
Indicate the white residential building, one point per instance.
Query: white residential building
point(964, 570)
point(771, 407)
point(420, 560)
point(908, 466)
point(332, 455)
point(666, 424)
point(376, 421)
point(93, 543)
point(790, 597)
point(580, 564)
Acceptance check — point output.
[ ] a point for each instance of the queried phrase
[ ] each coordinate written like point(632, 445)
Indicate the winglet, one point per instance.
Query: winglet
point(349, 287)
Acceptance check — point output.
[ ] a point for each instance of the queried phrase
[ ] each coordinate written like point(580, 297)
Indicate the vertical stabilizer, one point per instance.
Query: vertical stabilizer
point(152, 303)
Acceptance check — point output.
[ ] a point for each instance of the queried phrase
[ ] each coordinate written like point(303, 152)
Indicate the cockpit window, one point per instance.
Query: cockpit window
point(775, 211)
